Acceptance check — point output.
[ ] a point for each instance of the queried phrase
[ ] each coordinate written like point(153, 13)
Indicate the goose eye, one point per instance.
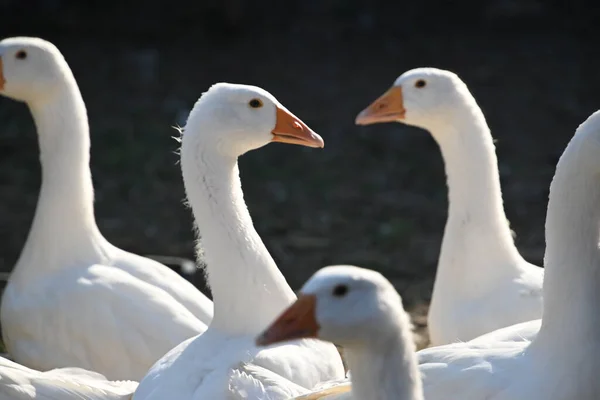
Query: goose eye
point(420, 83)
point(340, 290)
point(21, 55)
point(255, 103)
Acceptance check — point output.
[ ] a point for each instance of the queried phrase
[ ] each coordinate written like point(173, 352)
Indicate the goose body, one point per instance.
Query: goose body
point(482, 282)
point(73, 299)
point(21, 383)
point(248, 289)
point(525, 331)
point(360, 310)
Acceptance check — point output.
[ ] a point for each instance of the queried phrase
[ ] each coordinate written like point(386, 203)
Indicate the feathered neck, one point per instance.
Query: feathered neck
point(64, 231)
point(385, 367)
point(248, 289)
point(572, 259)
point(476, 221)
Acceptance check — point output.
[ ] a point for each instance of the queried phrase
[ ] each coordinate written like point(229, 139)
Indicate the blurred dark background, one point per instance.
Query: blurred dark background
point(375, 196)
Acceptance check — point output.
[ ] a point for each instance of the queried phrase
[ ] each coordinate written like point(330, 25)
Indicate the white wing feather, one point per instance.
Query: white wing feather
point(20, 383)
point(133, 323)
point(170, 281)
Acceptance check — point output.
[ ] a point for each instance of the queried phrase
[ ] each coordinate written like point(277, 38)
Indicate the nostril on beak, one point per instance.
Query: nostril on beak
point(297, 125)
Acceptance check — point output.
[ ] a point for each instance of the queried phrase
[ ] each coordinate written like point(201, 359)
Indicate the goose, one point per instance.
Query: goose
point(562, 360)
point(21, 383)
point(482, 282)
point(73, 299)
point(360, 310)
point(248, 289)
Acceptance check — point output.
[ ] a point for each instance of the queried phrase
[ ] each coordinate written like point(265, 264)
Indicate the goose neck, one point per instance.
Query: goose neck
point(385, 367)
point(572, 259)
point(248, 289)
point(475, 209)
point(64, 229)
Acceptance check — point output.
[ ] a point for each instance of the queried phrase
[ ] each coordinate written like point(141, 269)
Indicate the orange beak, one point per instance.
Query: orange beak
point(297, 322)
point(2, 80)
point(290, 129)
point(388, 108)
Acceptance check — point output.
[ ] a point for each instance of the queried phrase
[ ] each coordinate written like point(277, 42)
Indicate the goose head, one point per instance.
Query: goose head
point(346, 305)
point(31, 69)
point(233, 119)
point(423, 97)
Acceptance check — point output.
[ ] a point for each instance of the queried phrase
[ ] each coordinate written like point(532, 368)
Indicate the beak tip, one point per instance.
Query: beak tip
point(360, 118)
point(318, 140)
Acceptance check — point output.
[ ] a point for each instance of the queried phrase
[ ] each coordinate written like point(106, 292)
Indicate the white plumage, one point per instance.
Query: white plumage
point(247, 287)
point(482, 282)
point(73, 299)
point(360, 310)
point(21, 383)
point(562, 361)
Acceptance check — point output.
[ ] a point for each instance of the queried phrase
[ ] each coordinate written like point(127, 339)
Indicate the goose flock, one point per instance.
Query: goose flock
point(84, 320)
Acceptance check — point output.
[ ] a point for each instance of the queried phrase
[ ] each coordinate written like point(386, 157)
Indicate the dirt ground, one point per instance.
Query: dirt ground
point(374, 197)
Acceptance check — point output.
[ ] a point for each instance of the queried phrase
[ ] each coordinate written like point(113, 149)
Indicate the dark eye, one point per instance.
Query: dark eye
point(255, 103)
point(340, 290)
point(420, 83)
point(21, 54)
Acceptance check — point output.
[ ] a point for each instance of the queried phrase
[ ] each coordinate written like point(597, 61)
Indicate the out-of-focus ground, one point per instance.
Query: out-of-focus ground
point(375, 196)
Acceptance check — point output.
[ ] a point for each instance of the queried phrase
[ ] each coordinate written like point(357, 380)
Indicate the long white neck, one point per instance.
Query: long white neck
point(477, 226)
point(385, 367)
point(64, 230)
point(248, 289)
point(572, 259)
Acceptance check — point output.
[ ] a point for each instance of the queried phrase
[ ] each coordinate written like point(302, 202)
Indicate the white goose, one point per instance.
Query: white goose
point(248, 289)
point(360, 310)
point(73, 299)
point(482, 282)
point(562, 362)
point(21, 383)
